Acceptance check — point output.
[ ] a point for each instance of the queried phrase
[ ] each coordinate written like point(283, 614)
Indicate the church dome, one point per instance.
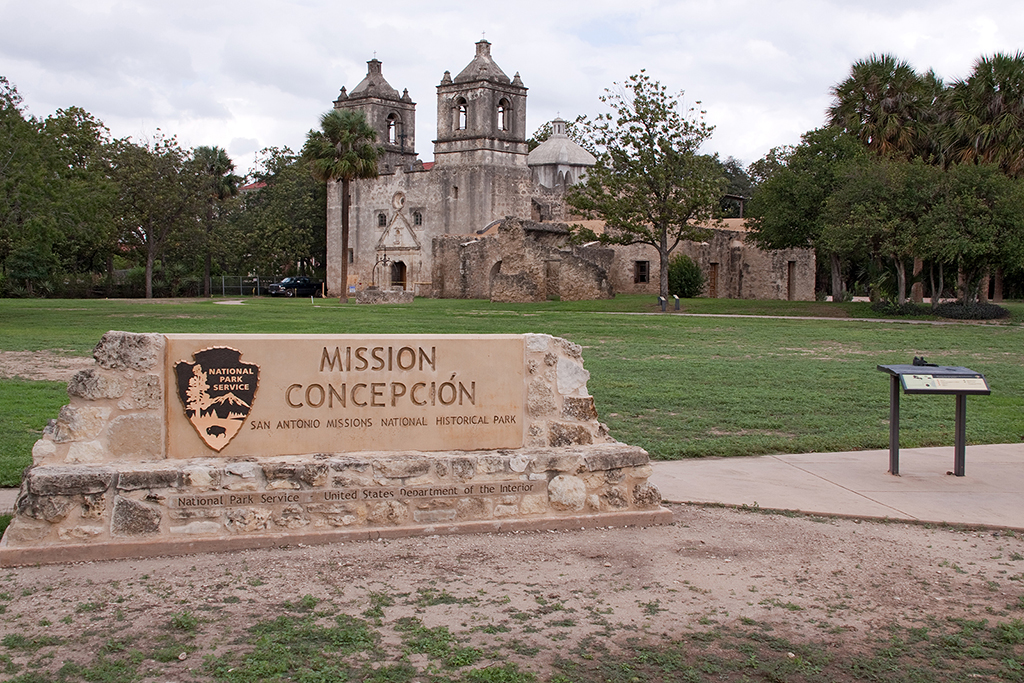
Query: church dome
point(560, 149)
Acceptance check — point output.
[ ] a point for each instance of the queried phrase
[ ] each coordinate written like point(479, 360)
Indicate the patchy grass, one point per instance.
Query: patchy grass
point(25, 408)
point(679, 386)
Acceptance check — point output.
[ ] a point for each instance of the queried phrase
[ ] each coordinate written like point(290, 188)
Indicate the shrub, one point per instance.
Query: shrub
point(891, 308)
point(958, 310)
point(685, 278)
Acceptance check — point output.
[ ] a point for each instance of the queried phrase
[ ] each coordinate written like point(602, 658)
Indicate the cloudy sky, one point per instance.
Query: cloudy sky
point(246, 75)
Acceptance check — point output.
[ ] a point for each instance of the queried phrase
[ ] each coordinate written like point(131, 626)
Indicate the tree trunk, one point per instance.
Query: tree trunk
point(663, 256)
point(838, 288)
point(206, 274)
point(345, 202)
point(997, 286)
point(901, 281)
point(942, 285)
point(207, 286)
point(917, 289)
point(149, 273)
point(110, 275)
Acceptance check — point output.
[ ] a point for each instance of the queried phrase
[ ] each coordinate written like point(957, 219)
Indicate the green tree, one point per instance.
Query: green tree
point(651, 185)
point(885, 104)
point(78, 152)
point(880, 204)
point(342, 151)
point(282, 220)
point(26, 235)
point(215, 167)
point(984, 117)
point(787, 209)
point(737, 184)
point(977, 222)
point(160, 197)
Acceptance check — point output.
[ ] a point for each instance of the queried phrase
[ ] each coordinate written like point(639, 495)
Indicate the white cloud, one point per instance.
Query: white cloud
point(259, 74)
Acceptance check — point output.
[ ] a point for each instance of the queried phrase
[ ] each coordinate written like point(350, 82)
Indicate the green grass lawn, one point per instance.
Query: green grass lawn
point(679, 386)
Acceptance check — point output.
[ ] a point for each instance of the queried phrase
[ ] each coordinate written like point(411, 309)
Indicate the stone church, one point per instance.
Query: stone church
point(439, 229)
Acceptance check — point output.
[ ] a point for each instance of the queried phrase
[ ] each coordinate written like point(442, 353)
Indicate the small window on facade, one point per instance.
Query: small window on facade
point(503, 112)
point(641, 271)
point(463, 114)
point(351, 255)
point(393, 129)
point(382, 220)
point(417, 218)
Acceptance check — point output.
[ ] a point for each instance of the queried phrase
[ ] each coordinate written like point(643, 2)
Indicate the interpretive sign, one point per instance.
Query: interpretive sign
point(330, 393)
point(922, 378)
point(937, 384)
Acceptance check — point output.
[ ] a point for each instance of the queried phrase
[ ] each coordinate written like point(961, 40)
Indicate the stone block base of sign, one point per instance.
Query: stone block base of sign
point(384, 296)
point(73, 513)
point(185, 443)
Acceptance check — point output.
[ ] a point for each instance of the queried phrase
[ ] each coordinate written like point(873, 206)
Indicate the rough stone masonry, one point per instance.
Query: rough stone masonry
point(182, 443)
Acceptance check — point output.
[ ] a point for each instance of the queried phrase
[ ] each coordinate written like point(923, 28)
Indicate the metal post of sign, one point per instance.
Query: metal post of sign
point(894, 425)
point(960, 436)
point(677, 301)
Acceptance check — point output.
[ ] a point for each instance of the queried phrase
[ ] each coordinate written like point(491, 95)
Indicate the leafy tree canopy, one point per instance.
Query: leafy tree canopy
point(651, 185)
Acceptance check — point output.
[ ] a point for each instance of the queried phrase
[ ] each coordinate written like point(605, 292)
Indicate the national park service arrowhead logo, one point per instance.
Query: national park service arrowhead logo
point(217, 391)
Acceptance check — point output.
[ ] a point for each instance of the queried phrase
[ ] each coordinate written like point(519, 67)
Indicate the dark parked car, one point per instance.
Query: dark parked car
point(296, 286)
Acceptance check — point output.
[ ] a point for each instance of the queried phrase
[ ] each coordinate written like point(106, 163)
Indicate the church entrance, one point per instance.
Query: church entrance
point(398, 276)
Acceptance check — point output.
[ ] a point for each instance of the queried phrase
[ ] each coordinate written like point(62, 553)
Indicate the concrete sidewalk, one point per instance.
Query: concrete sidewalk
point(857, 484)
point(852, 484)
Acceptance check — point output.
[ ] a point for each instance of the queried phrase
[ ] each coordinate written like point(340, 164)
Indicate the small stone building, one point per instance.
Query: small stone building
point(733, 267)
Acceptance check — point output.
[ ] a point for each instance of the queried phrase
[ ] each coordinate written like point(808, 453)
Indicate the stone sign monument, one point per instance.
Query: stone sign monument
point(184, 443)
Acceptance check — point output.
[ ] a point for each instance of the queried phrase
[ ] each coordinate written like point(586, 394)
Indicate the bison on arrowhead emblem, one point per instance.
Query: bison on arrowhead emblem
point(217, 392)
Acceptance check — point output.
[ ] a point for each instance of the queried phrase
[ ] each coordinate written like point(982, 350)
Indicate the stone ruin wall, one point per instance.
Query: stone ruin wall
point(463, 267)
point(100, 476)
point(525, 262)
point(744, 270)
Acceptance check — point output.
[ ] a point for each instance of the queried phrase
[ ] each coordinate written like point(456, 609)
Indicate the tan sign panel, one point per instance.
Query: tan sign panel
point(266, 395)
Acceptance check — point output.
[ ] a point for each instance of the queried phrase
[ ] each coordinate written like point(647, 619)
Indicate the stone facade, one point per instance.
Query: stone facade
point(479, 174)
point(431, 221)
point(103, 485)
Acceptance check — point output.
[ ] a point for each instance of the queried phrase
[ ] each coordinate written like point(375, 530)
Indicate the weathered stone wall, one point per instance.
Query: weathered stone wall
point(117, 408)
point(384, 296)
point(462, 268)
point(101, 478)
point(744, 270)
point(526, 262)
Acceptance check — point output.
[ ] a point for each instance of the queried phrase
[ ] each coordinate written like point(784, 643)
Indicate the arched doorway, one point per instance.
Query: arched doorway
point(398, 277)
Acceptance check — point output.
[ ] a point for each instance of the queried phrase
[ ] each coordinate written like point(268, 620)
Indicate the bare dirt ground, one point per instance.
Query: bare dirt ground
point(42, 365)
point(536, 599)
point(818, 592)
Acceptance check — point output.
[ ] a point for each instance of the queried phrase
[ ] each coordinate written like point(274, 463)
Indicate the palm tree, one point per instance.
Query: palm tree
point(216, 168)
point(885, 103)
point(985, 114)
point(341, 151)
